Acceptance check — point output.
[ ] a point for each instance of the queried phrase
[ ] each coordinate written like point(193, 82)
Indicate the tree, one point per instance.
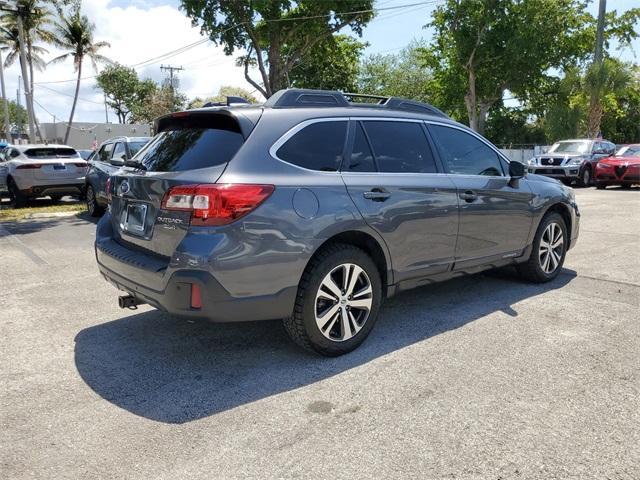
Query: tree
point(276, 34)
point(155, 102)
point(397, 75)
point(17, 115)
point(331, 65)
point(484, 47)
point(122, 88)
point(75, 34)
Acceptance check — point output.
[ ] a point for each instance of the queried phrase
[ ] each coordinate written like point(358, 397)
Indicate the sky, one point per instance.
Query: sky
point(139, 31)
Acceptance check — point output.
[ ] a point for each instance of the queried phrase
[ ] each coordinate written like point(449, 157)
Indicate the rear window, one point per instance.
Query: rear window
point(190, 148)
point(50, 152)
point(317, 146)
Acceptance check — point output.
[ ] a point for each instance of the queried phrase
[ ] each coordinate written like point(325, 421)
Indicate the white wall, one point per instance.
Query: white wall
point(83, 135)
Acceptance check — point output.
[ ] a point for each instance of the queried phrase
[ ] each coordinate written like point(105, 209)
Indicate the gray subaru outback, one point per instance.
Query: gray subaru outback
point(315, 207)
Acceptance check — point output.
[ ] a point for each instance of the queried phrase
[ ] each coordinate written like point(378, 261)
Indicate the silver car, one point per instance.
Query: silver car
point(572, 160)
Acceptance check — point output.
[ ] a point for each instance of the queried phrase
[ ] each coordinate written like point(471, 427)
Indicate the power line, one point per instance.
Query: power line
point(69, 95)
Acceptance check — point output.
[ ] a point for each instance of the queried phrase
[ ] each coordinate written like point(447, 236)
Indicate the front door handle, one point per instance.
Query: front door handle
point(377, 194)
point(469, 196)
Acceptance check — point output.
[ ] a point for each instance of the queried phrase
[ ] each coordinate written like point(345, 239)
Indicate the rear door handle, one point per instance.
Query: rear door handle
point(377, 194)
point(469, 196)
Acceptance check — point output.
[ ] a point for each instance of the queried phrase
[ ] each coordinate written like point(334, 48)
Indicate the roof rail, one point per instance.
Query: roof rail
point(300, 97)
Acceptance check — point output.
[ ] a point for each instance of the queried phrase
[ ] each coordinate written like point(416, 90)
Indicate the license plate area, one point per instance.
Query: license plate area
point(60, 166)
point(133, 218)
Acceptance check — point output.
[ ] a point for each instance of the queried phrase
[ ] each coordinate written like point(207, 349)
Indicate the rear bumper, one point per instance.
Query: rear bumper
point(61, 189)
point(156, 281)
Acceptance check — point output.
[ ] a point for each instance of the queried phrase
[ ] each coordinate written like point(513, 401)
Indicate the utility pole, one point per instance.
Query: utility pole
point(171, 69)
point(5, 100)
point(19, 122)
point(106, 112)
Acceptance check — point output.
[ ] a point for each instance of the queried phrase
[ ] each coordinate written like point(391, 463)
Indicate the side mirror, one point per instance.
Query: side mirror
point(516, 169)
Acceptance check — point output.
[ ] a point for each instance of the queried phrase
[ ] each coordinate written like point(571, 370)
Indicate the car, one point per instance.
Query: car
point(3, 170)
point(621, 169)
point(43, 170)
point(85, 154)
point(109, 157)
point(315, 207)
point(572, 160)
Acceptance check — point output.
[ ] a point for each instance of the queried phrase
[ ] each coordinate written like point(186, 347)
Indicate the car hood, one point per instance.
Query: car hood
point(621, 161)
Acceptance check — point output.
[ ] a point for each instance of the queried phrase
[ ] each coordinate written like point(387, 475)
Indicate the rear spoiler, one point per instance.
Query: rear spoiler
point(243, 121)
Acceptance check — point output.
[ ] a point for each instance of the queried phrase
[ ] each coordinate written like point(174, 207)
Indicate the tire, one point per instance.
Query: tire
point(585, 178)
point(536, 269)
point(17, 198)
point(315, 301)
point(93, 208)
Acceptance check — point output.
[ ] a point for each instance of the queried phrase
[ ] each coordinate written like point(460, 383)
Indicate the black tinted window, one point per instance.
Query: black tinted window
point(464, 154)
point(50, 152)
point(317, 146)
point(190, 149)
point(400, 147)
point(361, 156)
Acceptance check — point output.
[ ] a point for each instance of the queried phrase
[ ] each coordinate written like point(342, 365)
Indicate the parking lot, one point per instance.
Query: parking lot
point(481, 377)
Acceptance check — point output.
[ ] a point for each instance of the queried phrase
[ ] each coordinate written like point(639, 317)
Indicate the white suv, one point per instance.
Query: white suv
point(31, 171)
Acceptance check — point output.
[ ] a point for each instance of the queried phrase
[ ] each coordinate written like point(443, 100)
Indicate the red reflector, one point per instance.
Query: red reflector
point(196, 296)
point(180, 114)
point(216, 204)
point(29, 166)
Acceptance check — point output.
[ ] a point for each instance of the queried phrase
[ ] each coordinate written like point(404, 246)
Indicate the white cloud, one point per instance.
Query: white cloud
point(136, 33)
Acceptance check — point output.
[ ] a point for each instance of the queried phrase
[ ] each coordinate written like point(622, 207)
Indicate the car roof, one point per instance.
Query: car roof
point(126, 139)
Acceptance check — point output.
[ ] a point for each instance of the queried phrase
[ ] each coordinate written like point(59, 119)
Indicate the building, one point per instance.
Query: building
point(85, 135)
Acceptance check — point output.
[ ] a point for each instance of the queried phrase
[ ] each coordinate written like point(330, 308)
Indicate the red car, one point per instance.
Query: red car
point(623, 168)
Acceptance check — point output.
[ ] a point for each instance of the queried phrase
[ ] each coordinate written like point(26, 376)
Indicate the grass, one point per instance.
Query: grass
point(14, 214)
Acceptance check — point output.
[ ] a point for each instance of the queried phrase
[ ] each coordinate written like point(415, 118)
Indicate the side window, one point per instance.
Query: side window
point(14, 153)
point(361, 157)
point(105, 152)
point(317, 146)
point(400, 147)
point(119, 152)
point(464, 154)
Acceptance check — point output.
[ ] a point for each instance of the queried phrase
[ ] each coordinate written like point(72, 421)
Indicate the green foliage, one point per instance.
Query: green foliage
point(276, 34)
point(122, 87)
point(224, 92)
point(155, 102)
point(513, 127)
point(484, 47)
point(17, 115)
point(397, 75)
point(331, 65)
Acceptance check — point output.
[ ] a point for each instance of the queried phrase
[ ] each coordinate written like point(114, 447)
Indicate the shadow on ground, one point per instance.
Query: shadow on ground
point(168, 370)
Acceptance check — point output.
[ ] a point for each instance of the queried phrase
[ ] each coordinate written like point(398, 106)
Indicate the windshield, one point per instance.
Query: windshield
point(629, 151)
point(570, 147)
point(49, 152)
point(135, 147)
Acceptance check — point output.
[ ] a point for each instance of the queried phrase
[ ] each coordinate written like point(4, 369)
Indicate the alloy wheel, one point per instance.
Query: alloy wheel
point(586, 177)
point(343, 302)
point(551, 248)
point(91, 200)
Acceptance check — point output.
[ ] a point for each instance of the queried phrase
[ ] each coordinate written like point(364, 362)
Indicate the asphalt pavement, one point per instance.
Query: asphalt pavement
point(485, 377)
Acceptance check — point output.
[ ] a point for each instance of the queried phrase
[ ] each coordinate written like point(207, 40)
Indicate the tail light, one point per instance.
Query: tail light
point(29, 166)
point(107, 188)
point(217, 204)
point(81, 165)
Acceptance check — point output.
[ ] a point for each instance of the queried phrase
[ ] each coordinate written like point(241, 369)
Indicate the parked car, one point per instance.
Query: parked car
point(572, 160)
point(3, 170)
point(85, 153)
point(43, 170)
point(621, 169)
point(110, 156)
point(314, 209)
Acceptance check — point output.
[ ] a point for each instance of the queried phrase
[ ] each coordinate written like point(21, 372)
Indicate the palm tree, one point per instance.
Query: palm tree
point(36, 23)
point(75, 34)
point(608, 77)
